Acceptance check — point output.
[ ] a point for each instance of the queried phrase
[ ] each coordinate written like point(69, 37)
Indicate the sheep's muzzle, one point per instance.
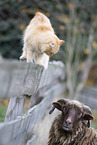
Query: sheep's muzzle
point(67, 125)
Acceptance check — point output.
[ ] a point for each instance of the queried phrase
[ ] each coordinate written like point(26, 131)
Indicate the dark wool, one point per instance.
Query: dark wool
point(82, 135)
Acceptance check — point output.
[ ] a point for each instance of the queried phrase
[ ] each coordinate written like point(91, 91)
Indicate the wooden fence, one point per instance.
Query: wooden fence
point(21, 79)
point(18, 79)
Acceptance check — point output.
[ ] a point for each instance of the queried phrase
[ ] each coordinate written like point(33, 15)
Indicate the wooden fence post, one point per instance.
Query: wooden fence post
point(15, 108)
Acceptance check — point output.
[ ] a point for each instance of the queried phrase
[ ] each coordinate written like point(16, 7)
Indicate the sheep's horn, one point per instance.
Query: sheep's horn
point(64, 100)
point(51, 110)
point(60, 101)
point(87, 109)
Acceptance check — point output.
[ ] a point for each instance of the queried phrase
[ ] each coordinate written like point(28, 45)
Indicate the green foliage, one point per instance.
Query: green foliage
point(13, 21)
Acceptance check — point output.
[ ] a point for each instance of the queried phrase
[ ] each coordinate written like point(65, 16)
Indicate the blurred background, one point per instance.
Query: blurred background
point(74, 21)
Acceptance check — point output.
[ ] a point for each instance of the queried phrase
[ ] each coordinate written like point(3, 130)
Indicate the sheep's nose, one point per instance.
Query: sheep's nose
point(68, 122)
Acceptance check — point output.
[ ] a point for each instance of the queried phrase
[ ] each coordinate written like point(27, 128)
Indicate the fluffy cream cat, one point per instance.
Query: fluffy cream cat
point(40, 41)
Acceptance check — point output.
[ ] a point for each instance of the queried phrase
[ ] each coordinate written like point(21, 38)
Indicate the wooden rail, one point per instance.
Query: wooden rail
point(21, 79)
point(18, 79)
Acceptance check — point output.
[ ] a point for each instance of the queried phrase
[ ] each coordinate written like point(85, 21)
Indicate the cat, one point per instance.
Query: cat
point(40, 41)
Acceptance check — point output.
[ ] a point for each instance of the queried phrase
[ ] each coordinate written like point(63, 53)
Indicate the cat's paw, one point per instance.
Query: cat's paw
point(22, 57)
point(43, 60)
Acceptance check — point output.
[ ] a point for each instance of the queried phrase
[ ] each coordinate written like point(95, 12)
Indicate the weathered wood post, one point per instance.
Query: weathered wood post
point(15, 108)
point(18, 79)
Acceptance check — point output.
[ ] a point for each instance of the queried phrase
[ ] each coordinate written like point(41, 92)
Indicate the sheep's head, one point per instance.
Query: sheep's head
point(73, 112)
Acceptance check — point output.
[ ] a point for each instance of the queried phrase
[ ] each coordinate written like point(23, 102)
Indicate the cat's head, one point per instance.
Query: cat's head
point(52, 46)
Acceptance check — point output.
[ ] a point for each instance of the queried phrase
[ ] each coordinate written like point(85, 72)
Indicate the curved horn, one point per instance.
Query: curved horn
point(51, 110)
point(64, 100)
point(87, 109)
point(61, 101)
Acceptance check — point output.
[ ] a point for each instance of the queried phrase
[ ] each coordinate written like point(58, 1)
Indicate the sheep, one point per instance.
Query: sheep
point(72, 126)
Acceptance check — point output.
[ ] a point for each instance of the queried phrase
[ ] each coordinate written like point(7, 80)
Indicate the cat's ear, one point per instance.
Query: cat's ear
point(61, 42)
point(52, 45)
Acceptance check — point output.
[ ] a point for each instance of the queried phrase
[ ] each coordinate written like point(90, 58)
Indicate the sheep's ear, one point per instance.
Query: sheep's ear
point(87, 116)
point(57, 105)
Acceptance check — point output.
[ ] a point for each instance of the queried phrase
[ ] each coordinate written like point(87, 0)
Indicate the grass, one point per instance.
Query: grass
point(3, 110)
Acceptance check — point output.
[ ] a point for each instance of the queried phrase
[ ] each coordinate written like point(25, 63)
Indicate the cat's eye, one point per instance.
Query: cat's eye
point(52, 45)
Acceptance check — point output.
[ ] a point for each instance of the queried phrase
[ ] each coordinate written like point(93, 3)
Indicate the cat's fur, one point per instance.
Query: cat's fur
point(39, 38)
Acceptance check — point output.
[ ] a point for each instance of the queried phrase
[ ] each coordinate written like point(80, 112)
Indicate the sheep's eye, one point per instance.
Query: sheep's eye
point(64, 106)
point(79, 114)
